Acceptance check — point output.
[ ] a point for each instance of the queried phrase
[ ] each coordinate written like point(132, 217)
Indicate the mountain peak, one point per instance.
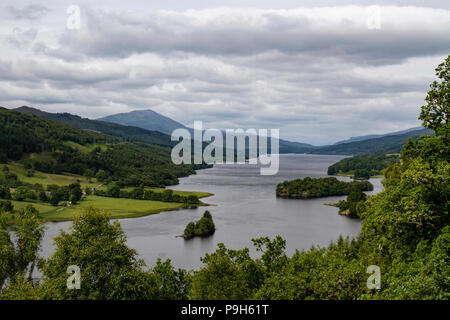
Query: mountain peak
point(146, 119)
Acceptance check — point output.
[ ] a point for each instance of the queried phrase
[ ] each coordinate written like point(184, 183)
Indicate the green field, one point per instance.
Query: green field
point(43, 208)
point(118, 208)
point(49, 178)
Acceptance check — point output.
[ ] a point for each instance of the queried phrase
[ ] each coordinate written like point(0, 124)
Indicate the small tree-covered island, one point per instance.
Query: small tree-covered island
point(203, 227)
point(319, 187)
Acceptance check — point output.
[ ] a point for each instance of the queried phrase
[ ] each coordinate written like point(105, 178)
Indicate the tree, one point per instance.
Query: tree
point(173, 284)
point(435, 114)
point(362, 174)
point(192, 199)
point(166, 195)
point(20, 194)
point(19, 254)
point(101, 175)
point(113, 190)
point(5, 193)
point(6, 206)
point(75, 192)
point(99, 249)
point(42, 196)
point(221, 278)
point(54, 199)
point(190, 230)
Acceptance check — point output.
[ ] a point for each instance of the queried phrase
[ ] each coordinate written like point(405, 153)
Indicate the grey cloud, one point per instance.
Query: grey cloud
point(29, 12)
point(242, 33)
point(319, 81)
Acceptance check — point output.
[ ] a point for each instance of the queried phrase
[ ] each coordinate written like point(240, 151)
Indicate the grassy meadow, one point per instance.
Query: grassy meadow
point(118, 207)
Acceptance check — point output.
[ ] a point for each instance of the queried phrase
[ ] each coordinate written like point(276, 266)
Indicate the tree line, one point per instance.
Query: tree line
point(140, 193)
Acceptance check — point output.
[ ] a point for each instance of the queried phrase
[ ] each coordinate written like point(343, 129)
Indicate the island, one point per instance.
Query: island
point(203, 227)
point(319, 187)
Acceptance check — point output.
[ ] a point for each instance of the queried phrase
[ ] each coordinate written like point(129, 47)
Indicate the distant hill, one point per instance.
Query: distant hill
point(374, 136)
point(385, 144)
point(128, 133)
point(151, 120)
point(146, 119)
point(295, 147)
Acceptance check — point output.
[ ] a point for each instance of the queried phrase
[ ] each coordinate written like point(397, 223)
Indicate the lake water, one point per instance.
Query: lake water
point(245, 207)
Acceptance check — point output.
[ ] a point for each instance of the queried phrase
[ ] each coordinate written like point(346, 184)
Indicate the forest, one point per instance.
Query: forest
point(319, 187)
point(54, 147)
point(363, 166)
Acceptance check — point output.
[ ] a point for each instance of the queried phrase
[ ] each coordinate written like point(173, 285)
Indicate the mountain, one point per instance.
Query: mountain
point(127, 133)
point(374, 136)
point(385, 144)
point(151, 120)
point(146, 119)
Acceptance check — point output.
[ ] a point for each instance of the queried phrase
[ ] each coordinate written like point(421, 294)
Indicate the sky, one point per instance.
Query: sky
point(320, 71)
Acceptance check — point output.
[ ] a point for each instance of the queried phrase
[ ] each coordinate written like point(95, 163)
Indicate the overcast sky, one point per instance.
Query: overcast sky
point(320, 71)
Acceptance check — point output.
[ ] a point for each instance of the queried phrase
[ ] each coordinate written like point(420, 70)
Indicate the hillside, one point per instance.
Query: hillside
point(386, 144)
point(146, 119)
point(374, 136)
point(128, 133)
point(55, 147)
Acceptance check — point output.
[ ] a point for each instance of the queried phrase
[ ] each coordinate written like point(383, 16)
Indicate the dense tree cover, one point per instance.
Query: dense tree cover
point(203, 227)
point(363, 166)
point(353, 203)
point(319, 187)
point(125, 133)
point(72, 193)
point(109, 269)
point(21, 134)
point(140, 193)
point(131, 164)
